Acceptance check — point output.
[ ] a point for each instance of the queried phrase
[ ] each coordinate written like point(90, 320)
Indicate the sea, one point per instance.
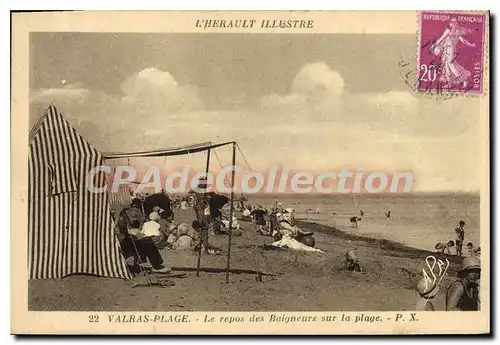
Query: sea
point(416, 220)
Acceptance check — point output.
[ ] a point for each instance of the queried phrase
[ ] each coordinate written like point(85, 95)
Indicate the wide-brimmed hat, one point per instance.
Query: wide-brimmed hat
point(289, 210)
point(470, 263)
point(426, 288)
point(351, 255)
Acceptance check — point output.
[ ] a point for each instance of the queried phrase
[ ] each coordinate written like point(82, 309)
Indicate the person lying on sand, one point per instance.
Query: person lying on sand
point(352, 262)
point(354, 221)
point(288, 231)
point(427, 290)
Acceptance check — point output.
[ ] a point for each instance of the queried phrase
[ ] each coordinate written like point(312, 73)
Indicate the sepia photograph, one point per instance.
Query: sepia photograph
point(260, 166)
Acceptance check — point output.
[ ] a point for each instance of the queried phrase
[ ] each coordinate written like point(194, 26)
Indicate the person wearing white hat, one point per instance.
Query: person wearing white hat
point(151, 227)
point(463, 294)
point(427, 290)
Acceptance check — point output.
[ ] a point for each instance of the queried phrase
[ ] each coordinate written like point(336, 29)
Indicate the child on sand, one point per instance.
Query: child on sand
point(352, 262)
point(427, 290)
point(444, 247)
point(471, 250)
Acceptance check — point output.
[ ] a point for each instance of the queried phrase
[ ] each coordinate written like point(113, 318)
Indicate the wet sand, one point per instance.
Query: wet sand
point(303, 281)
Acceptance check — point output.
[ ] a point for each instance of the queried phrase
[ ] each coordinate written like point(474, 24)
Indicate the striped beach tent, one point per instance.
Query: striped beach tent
point(70, 228)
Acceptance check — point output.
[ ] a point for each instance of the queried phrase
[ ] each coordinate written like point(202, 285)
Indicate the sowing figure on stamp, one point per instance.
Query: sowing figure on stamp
point(452, 72)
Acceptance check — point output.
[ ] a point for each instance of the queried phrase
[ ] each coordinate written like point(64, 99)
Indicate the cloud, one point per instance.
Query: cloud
point(74, 92)
point(314, 84)
point(318, 82)
point(317, 94)
point(318, 125)
point(155, 90)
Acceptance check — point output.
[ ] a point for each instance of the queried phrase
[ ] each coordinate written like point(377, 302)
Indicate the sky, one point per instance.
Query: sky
point(308, 102)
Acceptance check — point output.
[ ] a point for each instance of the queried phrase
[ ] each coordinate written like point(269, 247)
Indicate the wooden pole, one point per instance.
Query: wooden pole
point(202, 220)
point(231, 211)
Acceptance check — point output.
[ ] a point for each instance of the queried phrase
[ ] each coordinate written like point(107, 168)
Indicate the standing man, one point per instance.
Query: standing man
point(460, 236)
point(202, 209)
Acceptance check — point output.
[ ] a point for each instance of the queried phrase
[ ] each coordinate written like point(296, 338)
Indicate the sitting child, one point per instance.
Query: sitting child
point(352, 262)
point(444, 247)
point(473, 251)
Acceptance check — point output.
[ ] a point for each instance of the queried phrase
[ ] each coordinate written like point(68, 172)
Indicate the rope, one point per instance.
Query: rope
point(242, 155)
point(226, 181)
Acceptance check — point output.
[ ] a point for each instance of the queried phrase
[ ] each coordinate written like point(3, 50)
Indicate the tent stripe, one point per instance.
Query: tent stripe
point(70, 228)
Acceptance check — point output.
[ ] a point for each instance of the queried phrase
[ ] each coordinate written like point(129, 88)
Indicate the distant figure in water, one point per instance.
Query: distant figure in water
point(427, 290)
point(388, 214)
point(354, 221)
point(362, 213)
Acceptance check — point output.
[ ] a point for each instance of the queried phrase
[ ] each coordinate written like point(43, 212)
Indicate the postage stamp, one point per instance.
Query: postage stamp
point(250, 173)
point(451, 52)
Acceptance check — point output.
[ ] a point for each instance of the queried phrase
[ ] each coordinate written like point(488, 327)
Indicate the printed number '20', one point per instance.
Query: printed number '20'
point(94, 318)
point(429, 73)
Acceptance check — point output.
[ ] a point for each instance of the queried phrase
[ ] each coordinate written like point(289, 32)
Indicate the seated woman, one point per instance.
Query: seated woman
point(138, 249)
point(288, 231)
point(246, 214)
point(260, 217)
point(154, 230)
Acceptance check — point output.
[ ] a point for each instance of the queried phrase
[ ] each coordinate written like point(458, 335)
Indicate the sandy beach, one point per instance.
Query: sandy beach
point(302, 281)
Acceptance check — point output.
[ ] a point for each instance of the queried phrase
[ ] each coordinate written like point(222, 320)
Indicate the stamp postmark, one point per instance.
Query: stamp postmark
point(451, 52)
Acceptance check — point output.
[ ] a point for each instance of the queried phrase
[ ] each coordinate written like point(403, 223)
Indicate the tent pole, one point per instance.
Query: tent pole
point(207, 168)
point(231, 211)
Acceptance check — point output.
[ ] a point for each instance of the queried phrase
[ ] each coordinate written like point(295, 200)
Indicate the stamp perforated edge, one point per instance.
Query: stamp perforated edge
point(485, 48)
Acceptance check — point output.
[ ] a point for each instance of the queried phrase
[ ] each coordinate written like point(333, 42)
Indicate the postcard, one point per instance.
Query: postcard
point(250, 172)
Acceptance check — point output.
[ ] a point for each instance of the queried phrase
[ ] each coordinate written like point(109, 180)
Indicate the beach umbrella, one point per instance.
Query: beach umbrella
point(217, 201)
point(158, 199)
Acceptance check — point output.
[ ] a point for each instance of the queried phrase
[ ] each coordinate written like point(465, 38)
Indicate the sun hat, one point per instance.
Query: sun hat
point(470, 263)
point(154, 216)
point(289, 210)
point(351, 255)
point(426, 288)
